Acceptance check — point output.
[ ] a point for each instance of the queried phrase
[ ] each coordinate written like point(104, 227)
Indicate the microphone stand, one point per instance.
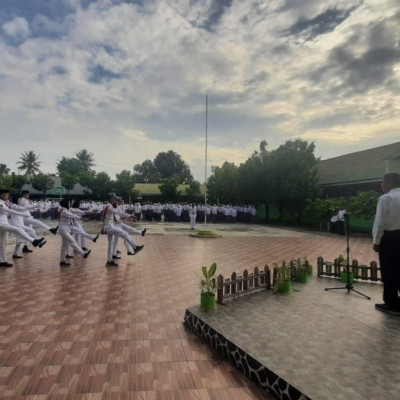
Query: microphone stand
point(349, 287)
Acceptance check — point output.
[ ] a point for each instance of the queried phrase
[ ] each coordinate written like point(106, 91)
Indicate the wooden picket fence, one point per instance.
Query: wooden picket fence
point(237, 285)
point(361, 272)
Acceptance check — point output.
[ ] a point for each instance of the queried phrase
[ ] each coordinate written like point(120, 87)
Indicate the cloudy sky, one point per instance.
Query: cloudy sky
point(126, 79)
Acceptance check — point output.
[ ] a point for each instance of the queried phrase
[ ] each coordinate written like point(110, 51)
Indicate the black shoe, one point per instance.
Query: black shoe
point(64, 264)
point(86, 255)
point(130, 253)
point(25, 249)
point(94, 240)
point(118, 252)
point(85, 249)
point(36, 242)
point(42, 244)
point(111, 264)
point(17, 256)
point(384, 308)
point(68, 256)
point(144, 231)
point(5, 265)
point(54, 230)
point(137, 249)
point(116, 257)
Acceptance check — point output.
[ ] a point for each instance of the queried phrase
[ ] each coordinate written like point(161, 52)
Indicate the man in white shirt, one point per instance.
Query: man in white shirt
point(386, 241)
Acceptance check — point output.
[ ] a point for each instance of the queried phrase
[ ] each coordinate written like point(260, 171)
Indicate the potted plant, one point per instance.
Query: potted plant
point(208, 287)
point(343, 275)
point(301, 269)
point(282, 279)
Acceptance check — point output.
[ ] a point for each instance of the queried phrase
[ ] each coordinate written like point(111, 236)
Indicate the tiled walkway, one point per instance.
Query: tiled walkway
point(88, 332)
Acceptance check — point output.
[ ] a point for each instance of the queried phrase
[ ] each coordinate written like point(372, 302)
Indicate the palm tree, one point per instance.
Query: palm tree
point(86, 159)
point(30, 163)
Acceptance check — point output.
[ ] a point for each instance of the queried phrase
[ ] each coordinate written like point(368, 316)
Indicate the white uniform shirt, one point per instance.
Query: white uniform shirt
point(387, 216)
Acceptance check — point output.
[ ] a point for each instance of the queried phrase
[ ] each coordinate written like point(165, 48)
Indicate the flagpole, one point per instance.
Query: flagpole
point(205, 170)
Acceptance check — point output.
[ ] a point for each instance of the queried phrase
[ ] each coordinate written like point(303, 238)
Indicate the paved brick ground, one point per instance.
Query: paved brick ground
point(90, 332)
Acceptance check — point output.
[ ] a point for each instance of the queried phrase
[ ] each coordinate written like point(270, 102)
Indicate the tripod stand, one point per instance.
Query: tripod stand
point(349, 286)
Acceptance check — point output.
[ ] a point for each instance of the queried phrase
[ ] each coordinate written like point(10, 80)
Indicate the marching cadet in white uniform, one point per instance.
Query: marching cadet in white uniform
point(77, 228)
point(5, 228)
point(29, 220)
point(18, 220)
point(127, 228)
point(111, 228)
point(64, 230)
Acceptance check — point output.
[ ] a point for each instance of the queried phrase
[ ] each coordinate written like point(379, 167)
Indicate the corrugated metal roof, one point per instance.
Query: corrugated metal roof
point(366, 165)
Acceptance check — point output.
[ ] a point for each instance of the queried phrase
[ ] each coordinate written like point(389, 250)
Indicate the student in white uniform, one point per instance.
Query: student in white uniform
point(29, 220)
point(192, 216)
point(64, 230)
point(110, 227)
point(6, 228)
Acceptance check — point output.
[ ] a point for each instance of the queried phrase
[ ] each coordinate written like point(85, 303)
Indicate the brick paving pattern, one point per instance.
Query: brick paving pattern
point(91, 332)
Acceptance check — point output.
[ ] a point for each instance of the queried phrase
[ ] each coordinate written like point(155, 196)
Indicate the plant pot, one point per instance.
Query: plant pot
point(343, 277)
point(310, 270)
point(207, 301)
point(301, 276)
point(285, 288)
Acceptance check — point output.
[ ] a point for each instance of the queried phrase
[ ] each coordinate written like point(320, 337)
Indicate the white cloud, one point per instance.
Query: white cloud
point(17, 28)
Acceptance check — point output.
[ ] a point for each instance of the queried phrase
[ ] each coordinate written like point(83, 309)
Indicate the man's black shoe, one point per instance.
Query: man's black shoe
point(85, 249)
point(25, 249)
point(130, 253)
point(116, 257)
point(86, 255)
point(94, 240)
point(42, 244)
point(384, 308)
point(118, 252)
point(64, 264)
point(17, 256)
point(36, 242)
point(111, 264)
point(144, 231)
point(53, 230)
point(5, 265)
point(68, 256)
point(137, 249)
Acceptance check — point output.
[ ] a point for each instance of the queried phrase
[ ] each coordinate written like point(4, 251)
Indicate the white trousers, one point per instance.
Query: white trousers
point(67, 240)
point(4, 231)
point(113, 231)
point(36, 222)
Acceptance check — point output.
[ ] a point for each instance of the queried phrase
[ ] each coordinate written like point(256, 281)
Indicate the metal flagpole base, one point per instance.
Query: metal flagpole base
point(349, 288)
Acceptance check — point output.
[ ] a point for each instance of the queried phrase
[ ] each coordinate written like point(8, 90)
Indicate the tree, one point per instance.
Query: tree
point(17, 182)
point(293, 172)
point(222, 184)
point(170, 164)
point(85, 178)
point(169, 189)
point(86, 159)
point(42, 182)
point(193, 193)
point(5, 178)
point(68, 181)
point(100, 185)
point(146, 172)
point(71, 165)
point(29, 163)
point(124, 185)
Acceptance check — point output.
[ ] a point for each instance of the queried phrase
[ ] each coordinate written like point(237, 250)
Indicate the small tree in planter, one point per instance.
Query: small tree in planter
point(303, 269)
point(342, 262)
point(282, 279)
point(208, 286)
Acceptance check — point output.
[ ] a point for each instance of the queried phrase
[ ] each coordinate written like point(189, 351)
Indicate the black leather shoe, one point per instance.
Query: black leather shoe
point(130, 253)
point(137, 249)
point(42, 244)
point(111, 264)
point(118, 252)
point(144, 231)
point(53, 230)
point(86, 255)
point(383, 307)
point(94, 240)
point(68, 256)
point(116, 257)
point(25, 249)
point(5, 265)
point(17, 256)
point(64, 264)
point(36, 242)
point(85, 249)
